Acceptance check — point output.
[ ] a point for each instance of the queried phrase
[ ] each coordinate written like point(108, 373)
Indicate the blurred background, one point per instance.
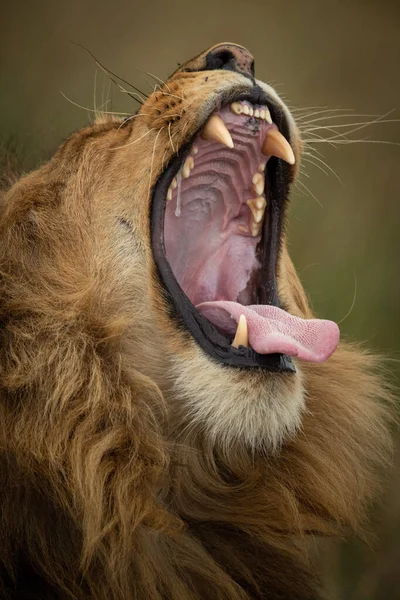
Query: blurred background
point(337, 56)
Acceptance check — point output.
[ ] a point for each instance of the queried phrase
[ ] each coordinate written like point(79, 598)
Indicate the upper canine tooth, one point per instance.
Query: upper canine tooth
point(242, 333)
point(276, 145)
point(237, 108)
point(258, 184)
point(268, 116)
point(216, 130)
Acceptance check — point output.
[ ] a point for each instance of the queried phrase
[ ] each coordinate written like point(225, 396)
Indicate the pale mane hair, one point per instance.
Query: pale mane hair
point(103, 491)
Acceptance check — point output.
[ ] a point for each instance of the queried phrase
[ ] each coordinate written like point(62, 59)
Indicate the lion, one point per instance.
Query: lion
point(175, 424)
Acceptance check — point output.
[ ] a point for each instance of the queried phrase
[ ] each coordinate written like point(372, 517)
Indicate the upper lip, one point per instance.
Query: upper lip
point(279, 178)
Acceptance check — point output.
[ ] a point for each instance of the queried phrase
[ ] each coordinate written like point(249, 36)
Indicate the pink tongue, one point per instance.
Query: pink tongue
point(272, 330)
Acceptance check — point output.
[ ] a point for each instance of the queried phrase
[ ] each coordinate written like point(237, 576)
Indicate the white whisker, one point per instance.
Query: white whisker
point(152, 156)
point(134, 141)
point(325, 165)
point(106, 112)
point(303, 185)
point(170, 138)
point(340, 116)
point(353, 302)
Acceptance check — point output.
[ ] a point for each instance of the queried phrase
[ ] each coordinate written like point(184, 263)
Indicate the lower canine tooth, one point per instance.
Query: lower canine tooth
point(216, 130)
point(242, 333)
point(276, 145)
point(258, 184)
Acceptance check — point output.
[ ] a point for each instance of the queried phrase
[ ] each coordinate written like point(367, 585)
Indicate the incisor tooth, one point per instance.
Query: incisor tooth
point(258, 184)
point(276, 145)
point(246, 109)
point(262, 114)
point(257, 113)
point(251, 111)
point(216, 130)
point(261, 167)
point(257, 207)
point(242, 334)
point(237, 108)
point(268, 117)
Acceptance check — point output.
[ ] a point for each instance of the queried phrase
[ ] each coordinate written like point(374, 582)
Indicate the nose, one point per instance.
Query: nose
point(231, 58)
point(226, 56)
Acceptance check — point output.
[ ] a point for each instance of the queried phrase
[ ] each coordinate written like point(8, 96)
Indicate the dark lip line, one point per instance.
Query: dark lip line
point(214, 343)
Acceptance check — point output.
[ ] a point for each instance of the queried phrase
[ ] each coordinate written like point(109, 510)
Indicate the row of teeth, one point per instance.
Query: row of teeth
point(256, 205)
point(240, 108)
point(274, 145)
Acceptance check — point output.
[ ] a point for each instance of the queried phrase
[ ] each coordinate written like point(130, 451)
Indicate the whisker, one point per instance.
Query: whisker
point(94, 92)
point(303, 185)
point(362, 126)
point(171, 95)
point(109, 72)
point(170, 138)
point(135, 141)
point(157, 79)
point(351, 125)
point(106, 112)
point(315, 165)
point(325, 165)
point(130, 119)
point(339, 116)
point(353, 302)
point(363, 141)
point(326, 110)
point(153, 154)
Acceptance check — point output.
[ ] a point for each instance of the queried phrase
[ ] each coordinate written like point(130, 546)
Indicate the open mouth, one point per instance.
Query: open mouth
point(217, 216)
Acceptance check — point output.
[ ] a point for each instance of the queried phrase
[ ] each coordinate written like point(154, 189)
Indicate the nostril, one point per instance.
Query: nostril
point(231, 58)
point(220, 59)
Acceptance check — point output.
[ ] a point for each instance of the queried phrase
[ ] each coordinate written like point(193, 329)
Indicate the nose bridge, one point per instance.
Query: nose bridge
point(226, 56)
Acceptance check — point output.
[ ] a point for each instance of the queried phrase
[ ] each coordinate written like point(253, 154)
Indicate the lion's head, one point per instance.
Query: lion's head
point(165, 389)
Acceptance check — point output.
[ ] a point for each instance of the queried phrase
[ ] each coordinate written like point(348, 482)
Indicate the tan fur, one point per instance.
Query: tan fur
point(132, 465)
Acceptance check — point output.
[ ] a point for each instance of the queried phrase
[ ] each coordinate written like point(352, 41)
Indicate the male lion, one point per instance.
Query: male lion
point(174, 423)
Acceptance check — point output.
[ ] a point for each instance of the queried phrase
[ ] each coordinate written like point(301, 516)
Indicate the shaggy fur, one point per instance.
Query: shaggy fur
point(132, 466)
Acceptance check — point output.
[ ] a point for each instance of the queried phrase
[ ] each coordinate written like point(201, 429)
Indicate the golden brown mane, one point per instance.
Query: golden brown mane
point(110, 489)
